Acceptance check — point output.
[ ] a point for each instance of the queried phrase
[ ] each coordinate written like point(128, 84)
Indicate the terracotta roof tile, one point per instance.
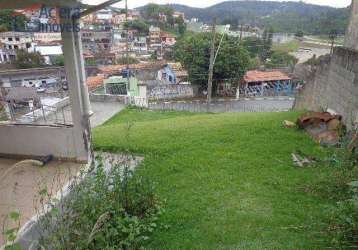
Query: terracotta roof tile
point(167, 34)
point(94, 82)
point(119, 67)
point(263, 76)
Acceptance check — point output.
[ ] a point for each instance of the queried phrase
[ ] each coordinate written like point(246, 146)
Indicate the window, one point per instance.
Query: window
point(10, 47)
point(16, 47)
point(17, 39)
point(10, 39)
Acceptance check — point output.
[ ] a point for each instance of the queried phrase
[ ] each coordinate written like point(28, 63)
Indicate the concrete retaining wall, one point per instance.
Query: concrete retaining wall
point(333, 84)
point(28, 141)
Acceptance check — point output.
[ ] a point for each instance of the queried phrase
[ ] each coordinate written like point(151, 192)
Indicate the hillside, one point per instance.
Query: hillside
point(282, 16)
point(227, 179)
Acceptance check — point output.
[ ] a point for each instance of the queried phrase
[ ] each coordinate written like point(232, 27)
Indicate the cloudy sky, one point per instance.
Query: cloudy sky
point(206, 3)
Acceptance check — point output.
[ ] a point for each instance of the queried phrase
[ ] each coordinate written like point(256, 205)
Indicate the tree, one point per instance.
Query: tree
point(267, 44)
point(280, 59)
point(193, 51)
point(11, 21)
point(25, 59)
point(181, 25)
point(152, 12)
point(59, 61)
point(139, 25)
point(299, 34)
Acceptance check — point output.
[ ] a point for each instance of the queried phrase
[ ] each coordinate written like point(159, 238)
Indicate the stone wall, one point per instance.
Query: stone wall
point(332, 84)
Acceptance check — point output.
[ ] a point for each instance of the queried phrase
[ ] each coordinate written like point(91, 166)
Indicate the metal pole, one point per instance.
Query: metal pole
point(211, 66)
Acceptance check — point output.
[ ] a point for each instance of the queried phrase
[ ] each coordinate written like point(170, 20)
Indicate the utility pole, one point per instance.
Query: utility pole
point(211, 66)
point(241, 30)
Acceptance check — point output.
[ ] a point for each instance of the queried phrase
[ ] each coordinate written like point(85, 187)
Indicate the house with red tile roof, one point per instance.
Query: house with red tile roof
point(261, 83)
point(167, 38)
point(258, 77)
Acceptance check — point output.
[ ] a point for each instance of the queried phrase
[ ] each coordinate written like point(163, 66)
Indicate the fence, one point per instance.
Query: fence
point(22, 105)
point(269, 89)
point(274, 104)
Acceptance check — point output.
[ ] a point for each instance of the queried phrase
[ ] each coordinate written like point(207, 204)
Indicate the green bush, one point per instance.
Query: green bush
point(343, 226)
point(110, 209)
point(343, 217)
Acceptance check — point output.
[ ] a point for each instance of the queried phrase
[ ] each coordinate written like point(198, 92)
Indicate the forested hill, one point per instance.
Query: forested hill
point(282, 16)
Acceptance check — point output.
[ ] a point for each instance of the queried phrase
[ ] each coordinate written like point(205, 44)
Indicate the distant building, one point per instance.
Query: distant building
point(162, 17)
point(260, 83)
point(119, 19)
point(89, 19)
point(102, 58)
point(178, 14)
point(7, 55)
point(32, 77)
point(118, 85)
point(282, 37)
point(167, 39)
point(49, 50)
point(47, 37)
point(97, 41)
point(133, 15)
point(104, 15)
point(155, 42)
point(17, 40)
point(173, 73)
point(139, 44)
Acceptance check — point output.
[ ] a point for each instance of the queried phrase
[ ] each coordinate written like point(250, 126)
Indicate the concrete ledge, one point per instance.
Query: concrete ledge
point(27, 140)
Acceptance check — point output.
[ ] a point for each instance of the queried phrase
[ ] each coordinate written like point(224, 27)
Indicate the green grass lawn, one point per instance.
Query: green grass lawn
point(227, 179)
point(286, 47)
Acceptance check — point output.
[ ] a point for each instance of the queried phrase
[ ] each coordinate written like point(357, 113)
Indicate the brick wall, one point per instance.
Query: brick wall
point(332, 84)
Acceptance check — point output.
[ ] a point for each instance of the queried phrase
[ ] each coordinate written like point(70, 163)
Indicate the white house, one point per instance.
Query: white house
point(48, 50)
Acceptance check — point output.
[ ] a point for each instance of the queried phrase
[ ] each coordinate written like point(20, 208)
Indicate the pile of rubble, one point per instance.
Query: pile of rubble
point(324, 127)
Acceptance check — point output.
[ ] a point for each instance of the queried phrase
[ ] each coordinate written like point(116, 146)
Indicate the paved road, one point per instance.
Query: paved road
point(227, 106)
point(305, 55)
point(103, 111)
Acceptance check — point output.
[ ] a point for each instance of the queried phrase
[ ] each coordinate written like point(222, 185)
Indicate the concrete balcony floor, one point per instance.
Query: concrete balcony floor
point(20, 188)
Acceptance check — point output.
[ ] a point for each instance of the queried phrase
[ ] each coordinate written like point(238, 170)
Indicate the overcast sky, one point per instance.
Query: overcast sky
point(206, 3)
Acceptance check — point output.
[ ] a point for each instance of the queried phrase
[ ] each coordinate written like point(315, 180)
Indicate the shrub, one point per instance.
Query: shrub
point(343, 226)
point(110, 209)
point(343, 217)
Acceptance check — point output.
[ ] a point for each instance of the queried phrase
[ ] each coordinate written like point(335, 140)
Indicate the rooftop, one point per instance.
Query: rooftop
point(265, 76)
point(167, 34)
point(119, 67)
point(94, 82)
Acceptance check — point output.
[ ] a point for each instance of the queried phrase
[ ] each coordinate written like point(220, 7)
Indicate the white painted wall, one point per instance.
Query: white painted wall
point(24, 140)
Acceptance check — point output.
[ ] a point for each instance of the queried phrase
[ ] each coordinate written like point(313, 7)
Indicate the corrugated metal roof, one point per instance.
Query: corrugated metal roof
point(265, 76)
